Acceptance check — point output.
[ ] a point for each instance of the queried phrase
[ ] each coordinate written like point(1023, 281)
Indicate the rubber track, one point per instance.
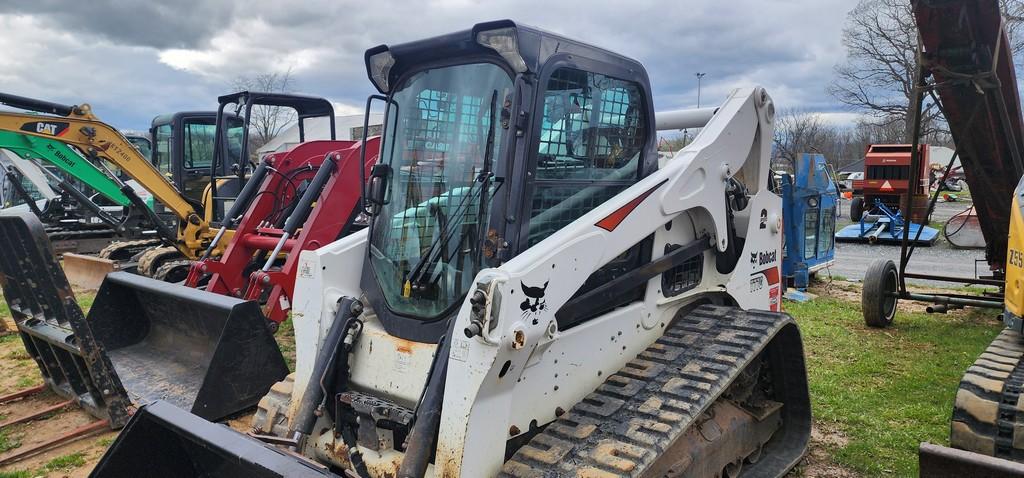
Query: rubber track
point(987, 413)
point(153, 257)
point(271, 415)
point(140, 243)
point(621, 428)
point(169, 266)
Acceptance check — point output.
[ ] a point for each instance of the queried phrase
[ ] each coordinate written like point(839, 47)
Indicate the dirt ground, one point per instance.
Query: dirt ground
point(77, 458)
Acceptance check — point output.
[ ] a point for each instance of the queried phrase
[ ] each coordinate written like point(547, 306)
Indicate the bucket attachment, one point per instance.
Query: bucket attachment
point(164, 441)
point(86, 272)
point(143, 339)
point(204, 352)
point(207, 353)
point(51, 324)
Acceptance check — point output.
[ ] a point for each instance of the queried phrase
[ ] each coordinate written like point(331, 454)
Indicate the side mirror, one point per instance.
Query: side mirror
point(376, 194)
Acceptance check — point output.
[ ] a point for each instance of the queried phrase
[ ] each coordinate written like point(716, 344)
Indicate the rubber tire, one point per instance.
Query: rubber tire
point(877, 300)
point(856, 209)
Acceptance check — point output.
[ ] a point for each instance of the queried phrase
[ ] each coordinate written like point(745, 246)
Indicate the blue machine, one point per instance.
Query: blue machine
point(809, 206)
point(882, 225)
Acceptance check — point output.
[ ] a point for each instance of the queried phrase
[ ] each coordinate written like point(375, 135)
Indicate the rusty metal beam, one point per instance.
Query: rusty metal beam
point(38, 414)
point(22, 393)
point(82, 431)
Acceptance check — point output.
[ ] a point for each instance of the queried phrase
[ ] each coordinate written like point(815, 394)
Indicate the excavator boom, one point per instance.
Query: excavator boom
point(65, 159)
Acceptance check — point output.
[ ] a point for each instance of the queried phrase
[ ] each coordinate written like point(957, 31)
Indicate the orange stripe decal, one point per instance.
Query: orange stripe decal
point(613, 220)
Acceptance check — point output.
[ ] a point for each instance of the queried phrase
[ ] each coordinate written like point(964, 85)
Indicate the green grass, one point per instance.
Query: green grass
point(7, 443)
point(59, 464)
point(85, 299)
point(286, 342)
point(65, 462)
point(886, 390)
point(105, 442)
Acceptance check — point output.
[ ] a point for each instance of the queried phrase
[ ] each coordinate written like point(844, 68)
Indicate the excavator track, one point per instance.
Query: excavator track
point(173, 270)
point(271, 417)
point(986, 414)
point(123, 250)
point(643, 420)
point(152, 259)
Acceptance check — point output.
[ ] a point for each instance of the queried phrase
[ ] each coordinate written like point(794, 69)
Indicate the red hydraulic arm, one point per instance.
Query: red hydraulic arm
point(249, 267)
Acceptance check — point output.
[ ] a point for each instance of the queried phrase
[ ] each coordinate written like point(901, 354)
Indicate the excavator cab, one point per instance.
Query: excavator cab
point(183, 145)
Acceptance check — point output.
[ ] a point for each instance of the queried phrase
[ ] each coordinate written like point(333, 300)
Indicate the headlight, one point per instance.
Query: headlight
point(503, 41)
point(380, 68)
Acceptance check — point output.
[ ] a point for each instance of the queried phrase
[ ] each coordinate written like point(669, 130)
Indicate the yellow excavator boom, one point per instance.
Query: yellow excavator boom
point(78, 126)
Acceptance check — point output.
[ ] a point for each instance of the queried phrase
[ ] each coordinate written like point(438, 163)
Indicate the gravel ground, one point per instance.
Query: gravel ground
point(853, 259)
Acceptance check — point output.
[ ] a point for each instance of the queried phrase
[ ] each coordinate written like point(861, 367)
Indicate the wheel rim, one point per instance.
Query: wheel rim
point(889, 304)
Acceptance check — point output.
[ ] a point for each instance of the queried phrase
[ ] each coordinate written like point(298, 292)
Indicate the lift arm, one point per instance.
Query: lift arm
point(67, 160)
point(79, 127)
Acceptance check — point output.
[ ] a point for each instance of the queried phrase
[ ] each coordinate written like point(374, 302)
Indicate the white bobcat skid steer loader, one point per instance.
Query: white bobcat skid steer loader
point(535, 295)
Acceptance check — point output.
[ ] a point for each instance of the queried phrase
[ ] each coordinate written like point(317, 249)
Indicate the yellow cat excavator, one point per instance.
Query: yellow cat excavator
point(77, 125)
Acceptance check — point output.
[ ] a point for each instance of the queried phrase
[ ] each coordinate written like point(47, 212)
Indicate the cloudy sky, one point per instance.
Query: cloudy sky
point(134, 60)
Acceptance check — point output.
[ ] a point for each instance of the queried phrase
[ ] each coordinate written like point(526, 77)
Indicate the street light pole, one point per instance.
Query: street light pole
point(699, 77)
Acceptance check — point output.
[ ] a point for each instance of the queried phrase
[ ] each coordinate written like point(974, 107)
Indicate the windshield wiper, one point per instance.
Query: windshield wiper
point(427, 262)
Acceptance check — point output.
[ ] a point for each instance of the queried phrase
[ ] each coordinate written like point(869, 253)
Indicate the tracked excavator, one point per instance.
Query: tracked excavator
point(536, 293)
point(77, 126)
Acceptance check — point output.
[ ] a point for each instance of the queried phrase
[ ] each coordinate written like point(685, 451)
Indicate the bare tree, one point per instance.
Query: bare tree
point(880, 71)
point(266, 122)
point(879, 74)
point(798, 132)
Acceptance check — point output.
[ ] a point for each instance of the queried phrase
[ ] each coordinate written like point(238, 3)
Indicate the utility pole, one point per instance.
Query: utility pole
point(699, 77)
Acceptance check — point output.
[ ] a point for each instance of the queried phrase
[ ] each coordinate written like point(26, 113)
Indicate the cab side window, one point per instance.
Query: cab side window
point(592, 134)
point(199, 143)
point(162, 149)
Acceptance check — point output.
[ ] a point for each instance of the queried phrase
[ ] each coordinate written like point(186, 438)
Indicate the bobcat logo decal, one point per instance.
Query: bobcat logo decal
point(534, 298)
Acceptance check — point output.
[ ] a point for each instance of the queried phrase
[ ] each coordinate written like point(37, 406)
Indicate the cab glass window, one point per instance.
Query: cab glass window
point(592, 134)
point(162, 149)
point(199, 144)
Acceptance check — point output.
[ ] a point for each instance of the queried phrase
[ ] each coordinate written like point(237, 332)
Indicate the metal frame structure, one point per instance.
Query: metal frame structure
point(925, 90)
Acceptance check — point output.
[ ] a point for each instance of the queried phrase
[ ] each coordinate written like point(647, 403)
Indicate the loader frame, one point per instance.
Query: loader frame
point(337, 204)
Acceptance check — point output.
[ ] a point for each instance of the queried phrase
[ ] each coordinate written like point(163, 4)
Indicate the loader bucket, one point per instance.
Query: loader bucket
point(203, 352)
point(86, 272)
point(142, 340)
point(165, 441)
